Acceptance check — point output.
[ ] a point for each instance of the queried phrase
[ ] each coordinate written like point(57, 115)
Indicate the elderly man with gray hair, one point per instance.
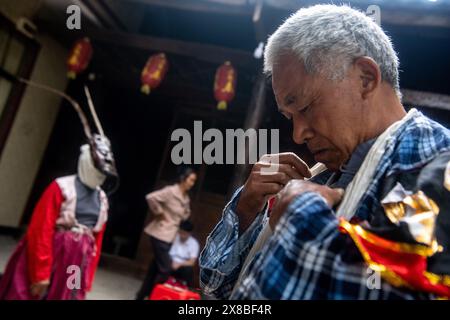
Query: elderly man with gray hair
point(375, 224)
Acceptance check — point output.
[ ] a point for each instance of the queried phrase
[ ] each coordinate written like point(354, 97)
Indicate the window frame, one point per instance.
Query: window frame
point(31, 50)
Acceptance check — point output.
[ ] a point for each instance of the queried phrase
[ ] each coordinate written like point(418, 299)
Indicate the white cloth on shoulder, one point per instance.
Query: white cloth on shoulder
point(364, 176)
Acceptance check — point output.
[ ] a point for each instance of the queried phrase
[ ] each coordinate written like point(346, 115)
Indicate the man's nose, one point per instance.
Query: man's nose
point(301, 132)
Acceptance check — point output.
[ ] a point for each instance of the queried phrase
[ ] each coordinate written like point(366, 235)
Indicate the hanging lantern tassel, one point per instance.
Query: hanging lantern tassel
point(153, 73)
point(224, 85)
point(79, 57)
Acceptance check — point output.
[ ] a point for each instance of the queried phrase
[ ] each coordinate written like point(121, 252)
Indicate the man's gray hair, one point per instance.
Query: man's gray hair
point(327, 38)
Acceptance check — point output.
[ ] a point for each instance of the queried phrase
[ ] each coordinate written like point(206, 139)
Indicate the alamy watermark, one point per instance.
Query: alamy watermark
point(74, 19)
point(373, 281)
point(73, 281)
point(236, 146)
point(373, 11)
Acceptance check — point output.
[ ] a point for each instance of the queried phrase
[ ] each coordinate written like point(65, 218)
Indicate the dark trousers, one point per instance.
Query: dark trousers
point(159, 270)
point(185, 274)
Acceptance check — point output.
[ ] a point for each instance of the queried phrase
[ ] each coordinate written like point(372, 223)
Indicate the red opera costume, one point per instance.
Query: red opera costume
point(58, 256)
point(153, 73)
point(42, 253)
point(79, 57)
point(224, 85)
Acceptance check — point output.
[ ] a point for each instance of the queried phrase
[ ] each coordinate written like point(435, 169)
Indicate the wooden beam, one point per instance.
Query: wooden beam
point(104, 14)
point(426, 99)
point(203, 52)
point(209, 53)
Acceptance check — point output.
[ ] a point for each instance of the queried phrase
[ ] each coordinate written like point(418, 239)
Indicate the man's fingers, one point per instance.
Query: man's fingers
point(269, 189)
point(292, 172)
point(335, 195)
point(288, 158)
point(293, 160)
point(279, 177)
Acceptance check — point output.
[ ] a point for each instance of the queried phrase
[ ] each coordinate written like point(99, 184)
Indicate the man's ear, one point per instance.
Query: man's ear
point(370, 75)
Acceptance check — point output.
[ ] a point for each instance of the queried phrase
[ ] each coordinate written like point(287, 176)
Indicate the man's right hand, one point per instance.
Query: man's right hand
point(268, 176)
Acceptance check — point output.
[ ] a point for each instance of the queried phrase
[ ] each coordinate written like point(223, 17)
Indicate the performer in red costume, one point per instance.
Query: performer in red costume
point(58, 256)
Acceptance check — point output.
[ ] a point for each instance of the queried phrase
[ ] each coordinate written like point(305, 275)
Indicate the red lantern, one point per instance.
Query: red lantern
point(224, 85)
point(79, 57)
point(154, 71)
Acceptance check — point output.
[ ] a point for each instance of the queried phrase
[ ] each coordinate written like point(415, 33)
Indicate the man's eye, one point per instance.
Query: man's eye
point(305, 109)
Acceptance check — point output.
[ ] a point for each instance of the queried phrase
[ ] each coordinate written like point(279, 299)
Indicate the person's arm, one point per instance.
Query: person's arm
point(243, 219)
point(267, 178)
point(225, 251)
point(40, 237)
point(289, 266)
point(187, 263)
point(187, 212)
point(156, 199)
point(309, 257)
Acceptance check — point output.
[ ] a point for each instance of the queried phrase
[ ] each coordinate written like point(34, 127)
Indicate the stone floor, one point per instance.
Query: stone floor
point(108, 285)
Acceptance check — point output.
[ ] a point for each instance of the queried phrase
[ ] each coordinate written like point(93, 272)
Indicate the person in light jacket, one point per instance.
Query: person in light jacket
point(170, 206)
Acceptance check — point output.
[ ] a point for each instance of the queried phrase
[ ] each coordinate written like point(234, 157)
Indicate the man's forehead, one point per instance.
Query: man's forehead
point(287, 66)
point(291, 86)
point(290, 80)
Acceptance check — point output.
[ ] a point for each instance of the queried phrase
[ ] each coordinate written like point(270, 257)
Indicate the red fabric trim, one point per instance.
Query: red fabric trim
point(410, 267)
point(93, 267)
point(40, 233)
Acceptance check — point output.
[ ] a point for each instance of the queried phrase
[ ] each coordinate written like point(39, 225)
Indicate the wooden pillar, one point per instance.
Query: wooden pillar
point(254, 118)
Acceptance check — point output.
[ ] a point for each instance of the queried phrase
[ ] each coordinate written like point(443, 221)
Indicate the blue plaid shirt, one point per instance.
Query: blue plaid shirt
point(307, 257)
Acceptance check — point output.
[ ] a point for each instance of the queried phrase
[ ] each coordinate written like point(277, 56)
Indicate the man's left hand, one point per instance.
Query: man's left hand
point(297, 187)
